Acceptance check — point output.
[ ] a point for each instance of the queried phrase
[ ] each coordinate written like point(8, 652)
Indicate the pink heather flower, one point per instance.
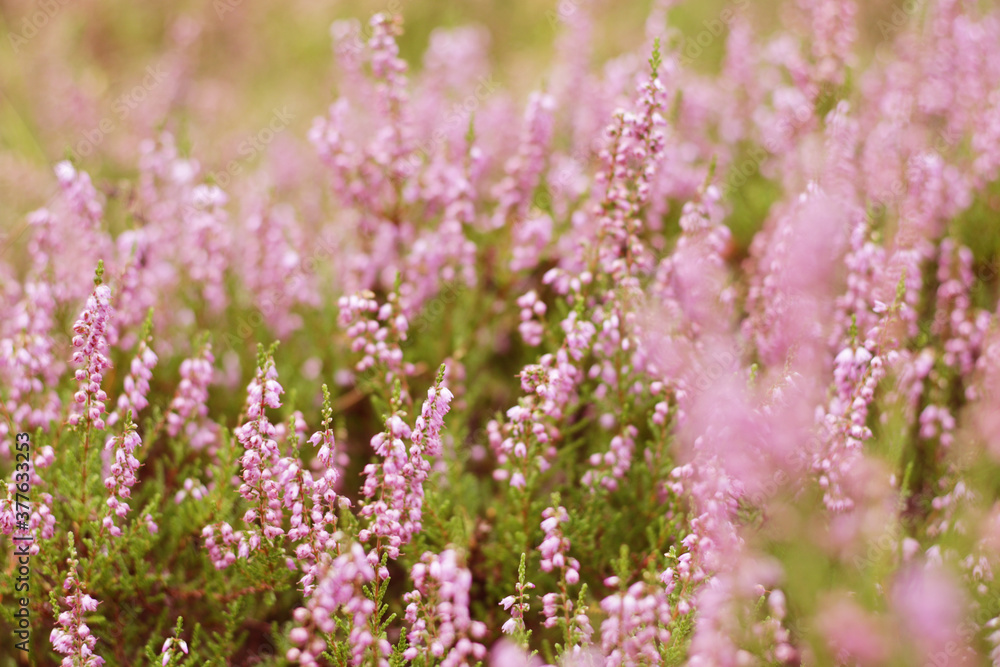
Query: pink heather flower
point(28, 368)
point(220, 558)
point(960, 326)
point(338, 590)
point(953, 496)
point(506, 652)
point(394, 487)
point(931, 609)
point(42, 517)
point(90, 355)
point(438, 612)
point(138, 291)
point(313, 502)
point(691, 282)
point(205, 248)
point(636, 620)
point(530, 238)
point(617, 459)
point(123, 474)
point(517, 604)
point(264, 471)
point(777, 638)
point(72, 637)
point(716, 564)
point(133, 397)
point(993, 627)
point(385, 489)
point(832, 34)
point(425, 440)
point(7, 520)
point(79, 193)
point(196, 491)
point(70, 236)
point(513, 450)
point(274, 266)
point(427, 429)
point(170, 648)
point(635, 142)
point(189, 407)
point(397, 172)
point(864, 259)
point(553, 550)
point(986, 385)
point(376, 332)
point(791, 289)
point(757, 381)
point(526, 436)
point(851, 633)
point(522, 171)
point(555, 545)
point(389, 71)
point(857, 373)
point(577, 656)
point(986, 137)
point(262, 460)
point(183, 251)
point(532, 325)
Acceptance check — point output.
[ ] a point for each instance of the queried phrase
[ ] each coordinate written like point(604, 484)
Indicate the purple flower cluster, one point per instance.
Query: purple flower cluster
point(261, 485)
point(189, 408)
point(438, 612)
point(73, 637)
point(90, 355)
point(124, 468)
point(338, 588)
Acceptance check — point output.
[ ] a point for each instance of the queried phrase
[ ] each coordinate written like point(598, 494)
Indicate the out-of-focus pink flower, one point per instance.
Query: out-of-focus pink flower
point(932, 612)
point(852, 633)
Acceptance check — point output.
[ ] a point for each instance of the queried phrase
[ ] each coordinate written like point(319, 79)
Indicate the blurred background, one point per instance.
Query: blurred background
point(92, 78)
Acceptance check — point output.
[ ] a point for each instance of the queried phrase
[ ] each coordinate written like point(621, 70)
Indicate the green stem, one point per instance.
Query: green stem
point(83, 473)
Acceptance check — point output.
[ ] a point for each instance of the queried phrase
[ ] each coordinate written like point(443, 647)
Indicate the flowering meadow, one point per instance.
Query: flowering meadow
point(671, 341)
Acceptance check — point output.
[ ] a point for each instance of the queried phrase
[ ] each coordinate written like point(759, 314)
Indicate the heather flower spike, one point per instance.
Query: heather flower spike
point(174, 649)
point(72, 637)
point(124, 470)
point(438, 612)
point(91, 355)
point(189, 406)
point(136, 387)
point(518, 606)
point(261, 460)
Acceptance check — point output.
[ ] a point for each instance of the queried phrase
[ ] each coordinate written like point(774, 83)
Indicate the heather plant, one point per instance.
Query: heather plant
point(672, 360)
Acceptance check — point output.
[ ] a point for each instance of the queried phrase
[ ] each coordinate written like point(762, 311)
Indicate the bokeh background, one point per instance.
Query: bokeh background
point(213, 72)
